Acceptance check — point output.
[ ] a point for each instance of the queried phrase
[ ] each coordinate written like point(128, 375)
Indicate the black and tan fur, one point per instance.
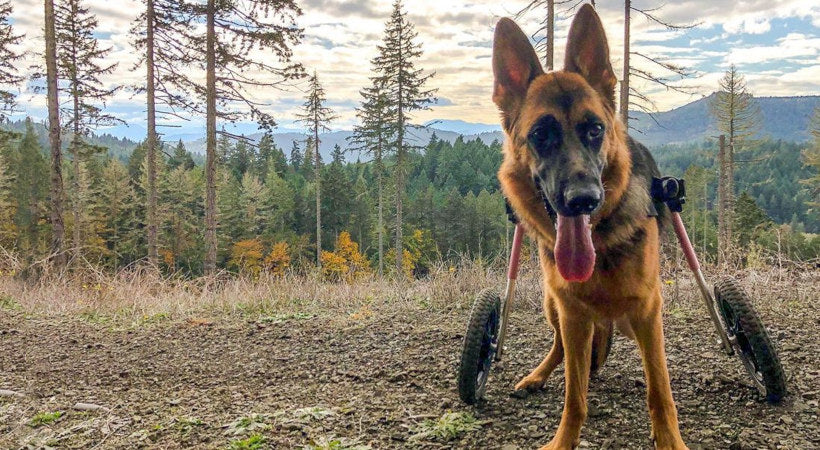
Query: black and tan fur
point(625, 286)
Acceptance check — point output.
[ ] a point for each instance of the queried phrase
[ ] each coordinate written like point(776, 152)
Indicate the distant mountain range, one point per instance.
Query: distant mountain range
point(785, 118)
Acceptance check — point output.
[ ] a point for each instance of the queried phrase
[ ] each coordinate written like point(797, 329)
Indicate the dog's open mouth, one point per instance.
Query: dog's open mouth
point(574, 253)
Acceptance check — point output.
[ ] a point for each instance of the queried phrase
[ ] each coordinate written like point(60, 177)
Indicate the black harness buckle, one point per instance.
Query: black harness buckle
point(669, 190)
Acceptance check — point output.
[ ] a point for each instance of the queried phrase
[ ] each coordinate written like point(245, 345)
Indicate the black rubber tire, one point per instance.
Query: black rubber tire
point(599, 360)
point(757, 350)
point(477, 355)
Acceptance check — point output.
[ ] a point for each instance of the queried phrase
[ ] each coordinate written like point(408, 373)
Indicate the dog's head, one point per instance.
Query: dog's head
point(561, 125)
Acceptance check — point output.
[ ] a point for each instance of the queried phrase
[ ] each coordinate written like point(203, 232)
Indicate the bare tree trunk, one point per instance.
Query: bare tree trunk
point(722, 201)
point(705, 215)
point(151, 151)
point(624, 106)
point(730, 194)
point(210, 148)
point(318, 178)
point(381, 222)
point(75, 153)
point(550, 34)
point(57, 225)
point(400, 166)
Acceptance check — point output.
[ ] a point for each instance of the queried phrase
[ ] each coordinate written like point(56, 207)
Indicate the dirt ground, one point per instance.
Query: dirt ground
point(371, 379)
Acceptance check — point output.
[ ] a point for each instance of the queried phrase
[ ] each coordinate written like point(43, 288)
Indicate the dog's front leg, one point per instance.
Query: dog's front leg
point(648, 328)
point(576, 333)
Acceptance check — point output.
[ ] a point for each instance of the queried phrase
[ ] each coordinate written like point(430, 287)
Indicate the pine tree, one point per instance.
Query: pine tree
point(9, 75)
point(241, 158)
point(269, 156)
point(252, 204)
point(403, 87)
point(56, 191)
point(738, 116)
point(748, 218)
point(8, 205)
point(78, 64)
point(181, 158)
point(337, 155)
point(180, 194)
point(233, 33)
point(337, 202)
point(315, 115)
point(295, 159)
point(29, 192)
point(280, 202)
point(164, 33)
point(115, 204)
point(372, 136)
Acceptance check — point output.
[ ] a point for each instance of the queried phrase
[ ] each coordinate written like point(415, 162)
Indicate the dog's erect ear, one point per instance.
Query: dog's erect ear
point(588, 53)
point(515, 65)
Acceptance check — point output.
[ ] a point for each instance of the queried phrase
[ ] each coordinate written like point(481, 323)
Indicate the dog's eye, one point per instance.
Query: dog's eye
point(595, 131)
point(545, 135)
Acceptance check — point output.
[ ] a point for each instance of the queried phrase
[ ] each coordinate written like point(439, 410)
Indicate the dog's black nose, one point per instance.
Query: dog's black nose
point(582, 200)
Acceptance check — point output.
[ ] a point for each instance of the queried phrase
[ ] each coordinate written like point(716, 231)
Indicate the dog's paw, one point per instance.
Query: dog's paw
point(531, 383)
point(555, 445)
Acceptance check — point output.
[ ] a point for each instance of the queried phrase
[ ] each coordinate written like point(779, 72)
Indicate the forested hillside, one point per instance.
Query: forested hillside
point(453, 206)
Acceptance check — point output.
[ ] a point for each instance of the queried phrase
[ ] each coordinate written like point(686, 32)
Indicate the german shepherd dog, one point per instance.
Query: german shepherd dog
point(581, 186)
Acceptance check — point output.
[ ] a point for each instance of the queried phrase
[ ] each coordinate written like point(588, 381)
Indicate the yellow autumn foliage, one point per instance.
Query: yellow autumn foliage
point(278, 261)
point(346, 262)
point(246, 257)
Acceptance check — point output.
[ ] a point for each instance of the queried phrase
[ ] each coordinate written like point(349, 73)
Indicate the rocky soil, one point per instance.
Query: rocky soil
point(375, 378)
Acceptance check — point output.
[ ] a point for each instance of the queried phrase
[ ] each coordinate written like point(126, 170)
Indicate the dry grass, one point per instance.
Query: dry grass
point(141, 292)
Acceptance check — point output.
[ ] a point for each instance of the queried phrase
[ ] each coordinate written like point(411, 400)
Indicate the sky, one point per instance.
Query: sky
point(775, 44)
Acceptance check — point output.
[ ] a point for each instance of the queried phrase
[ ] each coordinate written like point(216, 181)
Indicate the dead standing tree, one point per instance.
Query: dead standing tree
point(56, 191)
point(546, 41)
point(240, 40)
point(162, 34)
point(78, 63)
point(738, 117)
point(668, 78)
point(315, 115)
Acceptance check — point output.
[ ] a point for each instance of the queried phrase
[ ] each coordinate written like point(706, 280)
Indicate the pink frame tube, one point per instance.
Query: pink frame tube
point(515, 252)
point(685, 243)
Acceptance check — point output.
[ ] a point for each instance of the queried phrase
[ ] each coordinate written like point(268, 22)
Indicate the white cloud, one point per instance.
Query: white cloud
point(791, 46)
point(341, 38)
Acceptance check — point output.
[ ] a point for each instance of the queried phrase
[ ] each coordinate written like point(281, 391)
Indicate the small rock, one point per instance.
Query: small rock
point(8, 393)
point(509, 447)
point(584, 444)
point(787, 420)
point(638, 382)
point(89, 407)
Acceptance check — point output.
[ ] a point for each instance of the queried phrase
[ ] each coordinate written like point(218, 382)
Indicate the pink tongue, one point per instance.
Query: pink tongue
point(574, 253)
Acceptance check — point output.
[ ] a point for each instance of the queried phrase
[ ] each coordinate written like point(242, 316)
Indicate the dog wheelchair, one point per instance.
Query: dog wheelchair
point(735, 320)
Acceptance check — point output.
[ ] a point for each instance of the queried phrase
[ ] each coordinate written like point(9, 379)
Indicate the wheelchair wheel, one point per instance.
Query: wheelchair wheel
point(750, 340)
point(480, 344)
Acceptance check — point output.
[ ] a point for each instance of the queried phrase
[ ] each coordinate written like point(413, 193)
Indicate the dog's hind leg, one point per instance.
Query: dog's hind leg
point(601, 345)
point(648, 328)
point(536, 379)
